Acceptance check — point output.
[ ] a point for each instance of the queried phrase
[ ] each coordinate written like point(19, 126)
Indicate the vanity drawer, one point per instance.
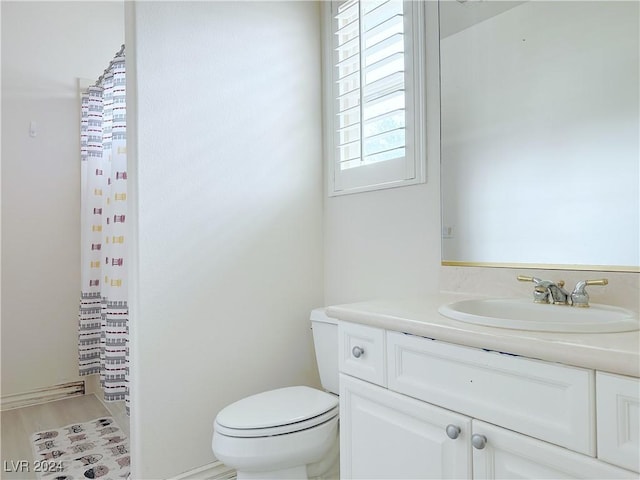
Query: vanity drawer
point(362, 352)
point(618, 414)
point(551, 402)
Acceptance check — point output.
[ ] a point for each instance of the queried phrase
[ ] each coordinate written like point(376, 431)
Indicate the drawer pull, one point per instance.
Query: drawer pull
point(357, 351)
point(453, 431)
point(478, 441)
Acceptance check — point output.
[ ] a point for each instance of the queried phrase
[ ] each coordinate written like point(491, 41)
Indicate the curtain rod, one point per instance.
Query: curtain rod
point(119, 54)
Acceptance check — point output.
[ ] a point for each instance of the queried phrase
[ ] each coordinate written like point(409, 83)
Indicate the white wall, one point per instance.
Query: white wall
point(40, 245)
point(46, 47)
point(224, 110)
point(387, 242)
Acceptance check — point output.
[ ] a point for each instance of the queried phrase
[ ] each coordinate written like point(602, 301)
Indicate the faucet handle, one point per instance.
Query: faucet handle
point(538, 281)
point(541, 294)
point(540, 291)
point(525, 278)
point(579, 296)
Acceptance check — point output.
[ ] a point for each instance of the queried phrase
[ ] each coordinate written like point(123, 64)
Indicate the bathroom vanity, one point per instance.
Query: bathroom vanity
point(425, 396)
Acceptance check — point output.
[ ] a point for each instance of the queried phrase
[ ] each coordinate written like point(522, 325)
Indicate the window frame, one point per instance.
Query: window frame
point(381, 175)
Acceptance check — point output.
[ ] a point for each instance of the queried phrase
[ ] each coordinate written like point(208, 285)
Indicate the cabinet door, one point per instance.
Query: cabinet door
point(387, 435)
point(510, 455)
point(618, 412)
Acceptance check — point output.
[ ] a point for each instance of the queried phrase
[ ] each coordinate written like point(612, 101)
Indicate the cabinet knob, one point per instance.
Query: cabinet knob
point(453, 431)
point(357, 351)
point(478, 441)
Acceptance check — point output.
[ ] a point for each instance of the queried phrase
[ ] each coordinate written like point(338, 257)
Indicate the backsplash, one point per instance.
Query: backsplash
point(623, 289)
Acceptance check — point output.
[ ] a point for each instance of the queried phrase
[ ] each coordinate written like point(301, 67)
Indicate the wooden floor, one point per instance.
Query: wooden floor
point(19, 424)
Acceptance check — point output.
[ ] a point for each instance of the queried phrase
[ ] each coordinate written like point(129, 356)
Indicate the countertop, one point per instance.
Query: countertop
point(609, 352)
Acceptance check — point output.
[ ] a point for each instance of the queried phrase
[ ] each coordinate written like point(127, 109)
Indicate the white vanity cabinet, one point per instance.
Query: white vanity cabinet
point(429, 409)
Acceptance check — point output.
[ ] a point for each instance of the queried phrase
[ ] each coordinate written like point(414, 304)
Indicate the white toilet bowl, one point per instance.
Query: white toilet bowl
point(289, 432)
point(286, 433)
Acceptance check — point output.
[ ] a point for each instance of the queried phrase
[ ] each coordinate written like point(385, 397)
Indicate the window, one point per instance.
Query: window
point(374, 112)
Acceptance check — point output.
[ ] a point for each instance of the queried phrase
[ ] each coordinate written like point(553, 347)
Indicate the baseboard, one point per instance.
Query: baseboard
point(42, 395)
point(212, 471)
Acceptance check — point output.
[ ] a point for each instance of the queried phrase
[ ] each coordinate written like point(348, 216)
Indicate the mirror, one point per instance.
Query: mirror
point(540, 134)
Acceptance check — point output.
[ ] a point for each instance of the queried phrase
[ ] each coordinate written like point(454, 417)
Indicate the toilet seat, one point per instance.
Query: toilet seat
point(277, 412)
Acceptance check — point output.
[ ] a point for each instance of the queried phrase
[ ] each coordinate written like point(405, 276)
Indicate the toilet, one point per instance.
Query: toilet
point(287, 433)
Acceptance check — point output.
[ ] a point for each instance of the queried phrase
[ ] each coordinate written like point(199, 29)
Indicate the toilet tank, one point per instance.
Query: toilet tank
point(325, 340)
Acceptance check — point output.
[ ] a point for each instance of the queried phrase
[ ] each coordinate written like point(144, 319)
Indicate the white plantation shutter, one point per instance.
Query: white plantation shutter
point(373, 119)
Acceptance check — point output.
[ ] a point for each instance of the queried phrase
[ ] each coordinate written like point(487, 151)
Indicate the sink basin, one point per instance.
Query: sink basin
point(523, 314)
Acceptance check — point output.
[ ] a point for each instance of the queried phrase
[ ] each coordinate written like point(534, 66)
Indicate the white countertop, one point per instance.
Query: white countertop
point(609, 352)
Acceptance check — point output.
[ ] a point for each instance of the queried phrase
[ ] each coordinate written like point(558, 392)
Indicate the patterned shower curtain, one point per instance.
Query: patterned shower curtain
point(104, 313)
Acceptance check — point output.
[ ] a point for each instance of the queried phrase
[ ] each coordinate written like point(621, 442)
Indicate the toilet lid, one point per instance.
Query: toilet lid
point(285, 410)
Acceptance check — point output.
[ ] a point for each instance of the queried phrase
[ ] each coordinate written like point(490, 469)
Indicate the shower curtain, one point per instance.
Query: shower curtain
point(104, 313)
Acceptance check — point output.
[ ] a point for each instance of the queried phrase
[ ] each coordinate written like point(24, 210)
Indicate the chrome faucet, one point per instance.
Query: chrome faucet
point(560, 295)
point(546, 291)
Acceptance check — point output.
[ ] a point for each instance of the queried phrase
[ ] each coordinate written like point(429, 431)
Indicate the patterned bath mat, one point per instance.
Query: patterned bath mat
point(95, 449)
